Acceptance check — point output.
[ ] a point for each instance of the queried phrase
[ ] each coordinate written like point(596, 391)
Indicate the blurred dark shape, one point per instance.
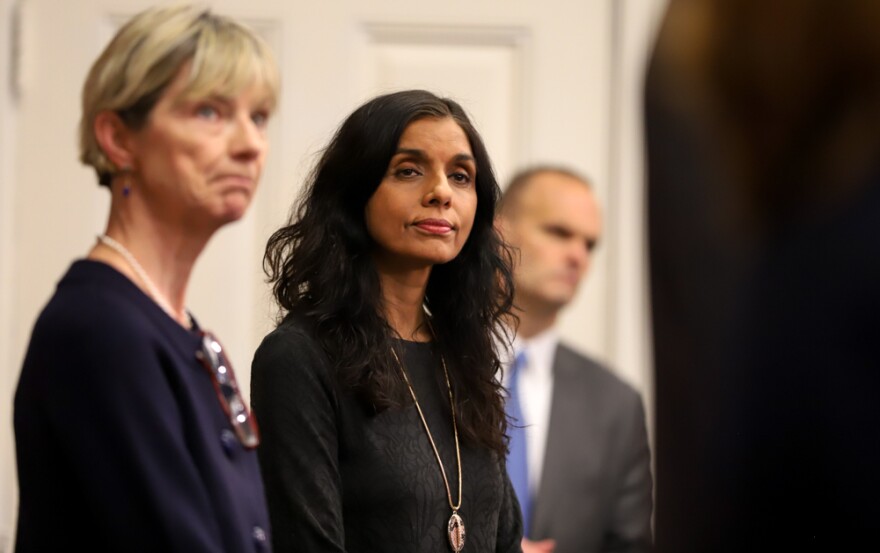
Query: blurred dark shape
point(762, 126)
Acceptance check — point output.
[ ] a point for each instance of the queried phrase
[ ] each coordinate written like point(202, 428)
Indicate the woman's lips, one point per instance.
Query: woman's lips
point(235, 181)
point(434, 226)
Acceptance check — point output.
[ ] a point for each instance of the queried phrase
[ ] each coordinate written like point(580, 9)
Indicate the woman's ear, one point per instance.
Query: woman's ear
point(114, 138)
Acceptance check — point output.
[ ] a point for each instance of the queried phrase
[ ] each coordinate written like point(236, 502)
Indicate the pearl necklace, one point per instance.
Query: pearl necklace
point(152, 291)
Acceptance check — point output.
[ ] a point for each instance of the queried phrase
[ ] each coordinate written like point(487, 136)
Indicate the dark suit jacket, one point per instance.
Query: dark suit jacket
point(596, 488)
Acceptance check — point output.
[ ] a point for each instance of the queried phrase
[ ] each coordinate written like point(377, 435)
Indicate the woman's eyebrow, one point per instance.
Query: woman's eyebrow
point(420, 154)
point(413, 152)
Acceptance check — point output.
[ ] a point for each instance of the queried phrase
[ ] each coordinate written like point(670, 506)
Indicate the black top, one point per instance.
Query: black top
point(121, 440)
point(341, 478)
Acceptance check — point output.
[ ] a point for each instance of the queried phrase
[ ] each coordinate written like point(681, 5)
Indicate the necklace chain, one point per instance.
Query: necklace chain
point(152, 291)
point(454, 506)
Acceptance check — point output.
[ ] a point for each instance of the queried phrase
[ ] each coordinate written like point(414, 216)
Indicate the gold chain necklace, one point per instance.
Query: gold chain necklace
point(455, 527)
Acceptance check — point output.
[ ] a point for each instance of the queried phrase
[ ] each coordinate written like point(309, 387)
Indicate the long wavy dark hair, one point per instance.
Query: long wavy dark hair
point(321, 266)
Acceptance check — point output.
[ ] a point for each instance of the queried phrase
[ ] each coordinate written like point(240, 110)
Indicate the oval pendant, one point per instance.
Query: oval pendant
point(456, 532)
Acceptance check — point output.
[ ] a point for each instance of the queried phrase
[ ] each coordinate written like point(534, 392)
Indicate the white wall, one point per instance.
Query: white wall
point(630, 344)
point(8, 361)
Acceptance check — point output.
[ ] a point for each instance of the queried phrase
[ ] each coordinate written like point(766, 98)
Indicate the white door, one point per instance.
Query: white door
point(537, 77)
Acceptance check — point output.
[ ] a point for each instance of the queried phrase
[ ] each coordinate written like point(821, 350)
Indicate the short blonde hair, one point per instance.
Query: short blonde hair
point(146, 54)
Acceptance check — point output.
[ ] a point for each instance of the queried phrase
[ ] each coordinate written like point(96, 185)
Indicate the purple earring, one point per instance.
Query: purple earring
point(125, 188)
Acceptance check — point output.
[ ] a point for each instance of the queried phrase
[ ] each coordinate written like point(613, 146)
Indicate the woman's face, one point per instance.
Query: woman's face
point(198, 161)
point(423, 210)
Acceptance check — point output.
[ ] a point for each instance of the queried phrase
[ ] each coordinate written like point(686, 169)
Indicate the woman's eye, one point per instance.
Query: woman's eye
point(207, 111)
point(407, 172)
point(260, 118)
point(461, 178)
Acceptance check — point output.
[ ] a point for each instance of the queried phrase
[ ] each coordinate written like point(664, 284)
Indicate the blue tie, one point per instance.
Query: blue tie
point(517, 465)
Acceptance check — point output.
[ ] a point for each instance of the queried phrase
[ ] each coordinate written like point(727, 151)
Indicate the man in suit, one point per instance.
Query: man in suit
point(579, 458)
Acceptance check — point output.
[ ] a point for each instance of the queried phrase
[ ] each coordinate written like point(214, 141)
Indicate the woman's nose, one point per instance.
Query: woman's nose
point(248, 139)
point(439, 193)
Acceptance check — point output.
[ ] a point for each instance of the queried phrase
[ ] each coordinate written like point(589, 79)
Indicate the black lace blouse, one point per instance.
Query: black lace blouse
point(339, 477)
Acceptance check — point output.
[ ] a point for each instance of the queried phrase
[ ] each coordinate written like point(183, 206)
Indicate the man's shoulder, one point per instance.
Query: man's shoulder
point(582, 367)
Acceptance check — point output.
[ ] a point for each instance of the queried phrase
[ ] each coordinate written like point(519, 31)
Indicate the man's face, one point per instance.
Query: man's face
point(556, 223)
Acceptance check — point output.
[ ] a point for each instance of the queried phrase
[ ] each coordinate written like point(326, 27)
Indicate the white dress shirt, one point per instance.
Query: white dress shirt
point(535, 395)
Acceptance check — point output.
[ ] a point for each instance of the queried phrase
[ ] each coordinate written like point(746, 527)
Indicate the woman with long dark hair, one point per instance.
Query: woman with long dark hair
point(381, 410)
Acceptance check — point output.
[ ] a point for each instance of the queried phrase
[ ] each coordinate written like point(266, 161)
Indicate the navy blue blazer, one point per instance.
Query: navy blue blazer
point(122, 443)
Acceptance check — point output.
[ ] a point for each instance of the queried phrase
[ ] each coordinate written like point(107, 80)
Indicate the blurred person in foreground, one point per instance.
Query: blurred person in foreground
point(131, 433)
point(383, 419)
point(579, 456)
point(764, 203)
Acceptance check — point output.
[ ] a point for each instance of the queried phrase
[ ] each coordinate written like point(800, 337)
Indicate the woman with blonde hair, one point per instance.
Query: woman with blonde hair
point(130, 429)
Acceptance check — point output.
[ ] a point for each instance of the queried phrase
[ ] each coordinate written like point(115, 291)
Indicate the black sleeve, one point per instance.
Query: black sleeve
point(510, 527)
point(295, 403)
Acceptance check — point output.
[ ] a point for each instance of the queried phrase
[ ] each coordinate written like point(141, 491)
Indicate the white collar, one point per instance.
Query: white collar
point(541, 349)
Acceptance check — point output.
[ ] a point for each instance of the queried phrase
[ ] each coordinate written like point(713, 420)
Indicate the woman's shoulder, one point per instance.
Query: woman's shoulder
point(100, 324)
point(292, 345)
point(295, 330)
point(93, 300)
point(290, 365)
